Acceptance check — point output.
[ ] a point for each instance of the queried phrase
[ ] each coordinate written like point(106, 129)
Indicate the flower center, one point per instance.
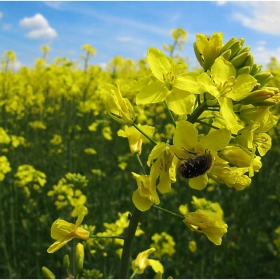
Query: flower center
point(227, 86)
point(169, 79)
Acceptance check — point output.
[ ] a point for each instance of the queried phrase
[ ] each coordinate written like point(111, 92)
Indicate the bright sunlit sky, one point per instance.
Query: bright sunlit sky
point(130, 28)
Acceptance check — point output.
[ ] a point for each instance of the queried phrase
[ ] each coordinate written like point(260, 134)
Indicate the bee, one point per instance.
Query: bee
point(195, 166)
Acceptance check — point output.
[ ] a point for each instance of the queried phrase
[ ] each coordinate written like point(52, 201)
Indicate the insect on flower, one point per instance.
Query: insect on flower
point(195, 166)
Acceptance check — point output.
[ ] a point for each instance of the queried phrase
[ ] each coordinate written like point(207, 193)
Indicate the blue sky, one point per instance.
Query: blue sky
point(130, 28)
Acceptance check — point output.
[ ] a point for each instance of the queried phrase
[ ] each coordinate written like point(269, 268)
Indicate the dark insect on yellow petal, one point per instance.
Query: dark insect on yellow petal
point(195, 166)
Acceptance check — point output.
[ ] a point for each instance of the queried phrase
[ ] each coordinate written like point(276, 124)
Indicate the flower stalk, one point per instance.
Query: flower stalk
point(134, 220)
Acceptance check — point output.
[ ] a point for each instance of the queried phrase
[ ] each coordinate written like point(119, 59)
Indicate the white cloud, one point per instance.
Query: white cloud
point(40, 28)
point(263, 56)
point(54, 4)
point(221, 3)
point(15, 66)
point(1, 15)
point(262, 16)
point(103, 65)
point(6, 26)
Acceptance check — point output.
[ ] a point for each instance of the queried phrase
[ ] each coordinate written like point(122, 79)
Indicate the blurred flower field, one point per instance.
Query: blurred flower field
point(62, 151)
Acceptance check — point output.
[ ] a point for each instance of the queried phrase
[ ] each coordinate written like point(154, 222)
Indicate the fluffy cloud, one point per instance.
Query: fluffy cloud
point(262, 16)
point(40, 28)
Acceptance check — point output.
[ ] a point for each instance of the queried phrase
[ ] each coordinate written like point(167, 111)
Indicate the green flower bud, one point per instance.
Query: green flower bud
point(245, 49)
point(255, 69)
point(66, 261)
point(238, 60)
point(235, 48)
point(257, 96)
point(243, 70)
point(226, 46)
point(226, 54)
point(47, 273)
point(269, 102)
point(249, 61)
point(263, 78)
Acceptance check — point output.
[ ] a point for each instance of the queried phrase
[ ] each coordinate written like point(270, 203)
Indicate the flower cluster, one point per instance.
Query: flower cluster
point(221, 115)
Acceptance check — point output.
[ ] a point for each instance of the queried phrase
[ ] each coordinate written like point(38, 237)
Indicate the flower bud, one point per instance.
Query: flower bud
point(238, 60)
point(263, 78)
point(258, 96)
point(66, 261)
point(47, 273)
point(238, 157)
point(119, 108)
point(80, 254)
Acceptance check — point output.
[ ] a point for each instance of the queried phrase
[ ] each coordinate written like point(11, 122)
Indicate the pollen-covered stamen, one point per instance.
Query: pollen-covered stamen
point(169, 79)
point(227, 86)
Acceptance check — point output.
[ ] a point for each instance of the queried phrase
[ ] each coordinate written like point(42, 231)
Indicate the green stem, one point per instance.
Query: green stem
point(207, 124)
point(148, 137)
point(169, 113)
point(128, 242)
point(134, 273)
point(212, 126)
point(197, 112)
point(109, 236)
point(207, 117)
point(141, 164)
point(169, 212)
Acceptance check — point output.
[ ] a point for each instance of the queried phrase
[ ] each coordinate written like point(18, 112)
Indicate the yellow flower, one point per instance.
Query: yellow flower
point(64, 231)
point(236, 156)
point(107, 133)
point(164, 244)
point(186, 139)
point(142, 262)
point(169, 83)
point(203, 204)
point(163, 166)
point(4, 167)
point(207, 49)
point(207, 222)
point(37, 125)
point(183, 209)
point(145, 196)
point(4, 137)
point(119, 108)
point(135, 138)
point(192, 246)
point(57, 139)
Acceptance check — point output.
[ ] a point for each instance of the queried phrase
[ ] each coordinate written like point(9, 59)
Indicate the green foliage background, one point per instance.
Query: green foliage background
point(66, 99)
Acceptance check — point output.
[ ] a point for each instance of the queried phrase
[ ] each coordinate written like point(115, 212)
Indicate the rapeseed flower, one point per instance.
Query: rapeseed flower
point(135, 138)
point(170, 83)
point(221, 82)
point(207, 49)
point(146, 195)
point(163, 168)
point(64, 231)
point(164, 244)
point(142, 262)
point(186, 139)
point(207, 222)
point(119, 108)
point(4, 167)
